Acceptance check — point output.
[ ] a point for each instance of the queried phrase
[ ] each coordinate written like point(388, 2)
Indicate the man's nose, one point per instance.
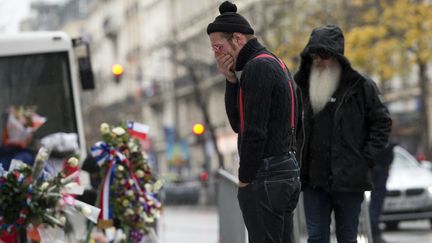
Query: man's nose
point(318, 60)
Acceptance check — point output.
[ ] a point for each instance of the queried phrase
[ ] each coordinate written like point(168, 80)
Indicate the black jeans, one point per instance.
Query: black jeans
point(319, 204)
point(267, 203)
point(379, 178)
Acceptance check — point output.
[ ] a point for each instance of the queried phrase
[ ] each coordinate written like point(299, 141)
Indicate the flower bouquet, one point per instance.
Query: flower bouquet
point(128, 191)
point(27, 200)
point(20, 125)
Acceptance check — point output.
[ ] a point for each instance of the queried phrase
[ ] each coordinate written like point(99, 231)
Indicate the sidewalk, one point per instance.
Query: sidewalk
point(188, 224)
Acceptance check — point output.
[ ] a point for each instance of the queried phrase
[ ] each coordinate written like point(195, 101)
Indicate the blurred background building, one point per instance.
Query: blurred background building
point(170, 80)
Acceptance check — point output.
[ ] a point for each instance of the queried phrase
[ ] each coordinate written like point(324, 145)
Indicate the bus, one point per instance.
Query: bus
point(42, 70)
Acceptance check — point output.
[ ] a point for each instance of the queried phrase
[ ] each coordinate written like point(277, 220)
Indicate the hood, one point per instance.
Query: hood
point(329, 38)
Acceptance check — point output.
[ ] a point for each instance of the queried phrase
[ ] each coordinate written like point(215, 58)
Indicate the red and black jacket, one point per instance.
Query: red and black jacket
point(260, 108)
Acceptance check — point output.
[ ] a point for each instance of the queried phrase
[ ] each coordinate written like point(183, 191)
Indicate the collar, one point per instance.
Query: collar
point(249, 51)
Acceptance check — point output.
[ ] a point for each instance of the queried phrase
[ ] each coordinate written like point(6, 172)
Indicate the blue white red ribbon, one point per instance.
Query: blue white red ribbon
point(106, 154)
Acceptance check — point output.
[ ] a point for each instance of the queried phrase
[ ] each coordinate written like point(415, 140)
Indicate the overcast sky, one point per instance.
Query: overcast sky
point(13, 11)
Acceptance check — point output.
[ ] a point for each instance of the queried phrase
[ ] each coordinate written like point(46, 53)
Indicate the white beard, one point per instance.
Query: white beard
point(323, 82)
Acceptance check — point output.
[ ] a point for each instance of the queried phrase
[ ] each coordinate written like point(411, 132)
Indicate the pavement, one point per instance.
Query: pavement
point(188, 224)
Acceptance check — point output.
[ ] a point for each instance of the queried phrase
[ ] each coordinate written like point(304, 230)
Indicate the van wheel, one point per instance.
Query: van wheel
point(392, 225)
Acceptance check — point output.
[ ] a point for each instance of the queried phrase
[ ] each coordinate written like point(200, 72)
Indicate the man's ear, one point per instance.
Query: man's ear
point(240, 38)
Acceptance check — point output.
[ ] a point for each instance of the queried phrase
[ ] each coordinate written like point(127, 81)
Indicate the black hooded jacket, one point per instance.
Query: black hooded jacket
point(361, 124)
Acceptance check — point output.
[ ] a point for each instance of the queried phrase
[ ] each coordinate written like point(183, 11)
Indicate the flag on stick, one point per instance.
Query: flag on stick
point(138, 130)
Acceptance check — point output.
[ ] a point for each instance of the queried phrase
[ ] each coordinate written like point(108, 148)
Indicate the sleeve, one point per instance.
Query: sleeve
point(299, 115)
point(231, 105)
point(257, 93)
point(378, 121)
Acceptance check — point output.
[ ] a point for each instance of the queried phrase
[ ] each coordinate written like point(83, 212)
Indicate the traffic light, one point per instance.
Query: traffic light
point(198, 129)
point(117, 71)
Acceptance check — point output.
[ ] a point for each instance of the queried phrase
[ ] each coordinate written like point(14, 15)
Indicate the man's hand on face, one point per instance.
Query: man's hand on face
point(225, 65)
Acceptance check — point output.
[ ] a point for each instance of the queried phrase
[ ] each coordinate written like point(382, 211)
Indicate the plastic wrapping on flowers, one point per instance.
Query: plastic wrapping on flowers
point(128, 191)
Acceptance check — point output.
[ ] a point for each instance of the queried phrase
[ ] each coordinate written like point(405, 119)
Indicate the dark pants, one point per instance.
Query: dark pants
point(379, 177)
point(267, 204)
point(318, 206)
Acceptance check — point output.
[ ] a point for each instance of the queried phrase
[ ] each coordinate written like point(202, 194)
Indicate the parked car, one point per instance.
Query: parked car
point(409, 191)
point(181, 192)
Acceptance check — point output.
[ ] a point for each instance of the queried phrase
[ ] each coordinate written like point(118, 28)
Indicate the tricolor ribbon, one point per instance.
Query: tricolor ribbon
point(104, 202)
point(106, 154)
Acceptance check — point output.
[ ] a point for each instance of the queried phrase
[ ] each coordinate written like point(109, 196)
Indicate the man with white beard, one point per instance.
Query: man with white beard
point(345, 125)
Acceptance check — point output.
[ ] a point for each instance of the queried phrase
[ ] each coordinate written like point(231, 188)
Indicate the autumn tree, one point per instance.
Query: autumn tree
point(394, 39)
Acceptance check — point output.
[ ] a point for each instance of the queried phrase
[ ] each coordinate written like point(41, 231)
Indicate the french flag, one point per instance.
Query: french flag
point(138, 130)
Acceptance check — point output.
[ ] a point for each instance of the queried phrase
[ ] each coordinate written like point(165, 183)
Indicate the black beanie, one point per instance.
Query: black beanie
point(229, 21)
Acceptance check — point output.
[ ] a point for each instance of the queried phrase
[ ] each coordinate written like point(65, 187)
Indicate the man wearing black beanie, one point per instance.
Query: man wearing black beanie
point(262, 108)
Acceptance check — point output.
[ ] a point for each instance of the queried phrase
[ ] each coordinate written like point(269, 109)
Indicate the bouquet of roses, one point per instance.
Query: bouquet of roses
point(26, 199)
point(128, 191)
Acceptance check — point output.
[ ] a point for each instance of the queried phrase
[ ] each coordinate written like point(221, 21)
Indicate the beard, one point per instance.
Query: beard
point(323, 82)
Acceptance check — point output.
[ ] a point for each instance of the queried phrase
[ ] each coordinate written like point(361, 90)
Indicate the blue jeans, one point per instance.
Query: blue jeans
point(318, 206)
point(267, 204)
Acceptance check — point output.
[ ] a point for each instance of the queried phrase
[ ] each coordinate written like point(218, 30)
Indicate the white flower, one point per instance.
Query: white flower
point(44, 186)
point(119, 131)
point(145, 156)
point(129, 212)
point(148, 187)
point(139, 173)
point(73, 162)
point(62, 220)
point(131, 182)
point(148, 219)
point(120, 168)
point(133, 147)
point(158, 185)
point(86, 211)
point(42, 154)
point(104, 128)
point(125, 203)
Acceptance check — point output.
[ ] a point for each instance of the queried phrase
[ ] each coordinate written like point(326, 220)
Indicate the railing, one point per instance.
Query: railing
point(231, 225)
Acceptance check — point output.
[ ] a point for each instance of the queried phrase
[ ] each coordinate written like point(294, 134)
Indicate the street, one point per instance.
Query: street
point(198, 224)
point(188, 224)
point(413, 231)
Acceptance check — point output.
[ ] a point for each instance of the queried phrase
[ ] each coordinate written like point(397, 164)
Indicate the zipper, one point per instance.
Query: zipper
point(343, 97)
point(304, 138)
